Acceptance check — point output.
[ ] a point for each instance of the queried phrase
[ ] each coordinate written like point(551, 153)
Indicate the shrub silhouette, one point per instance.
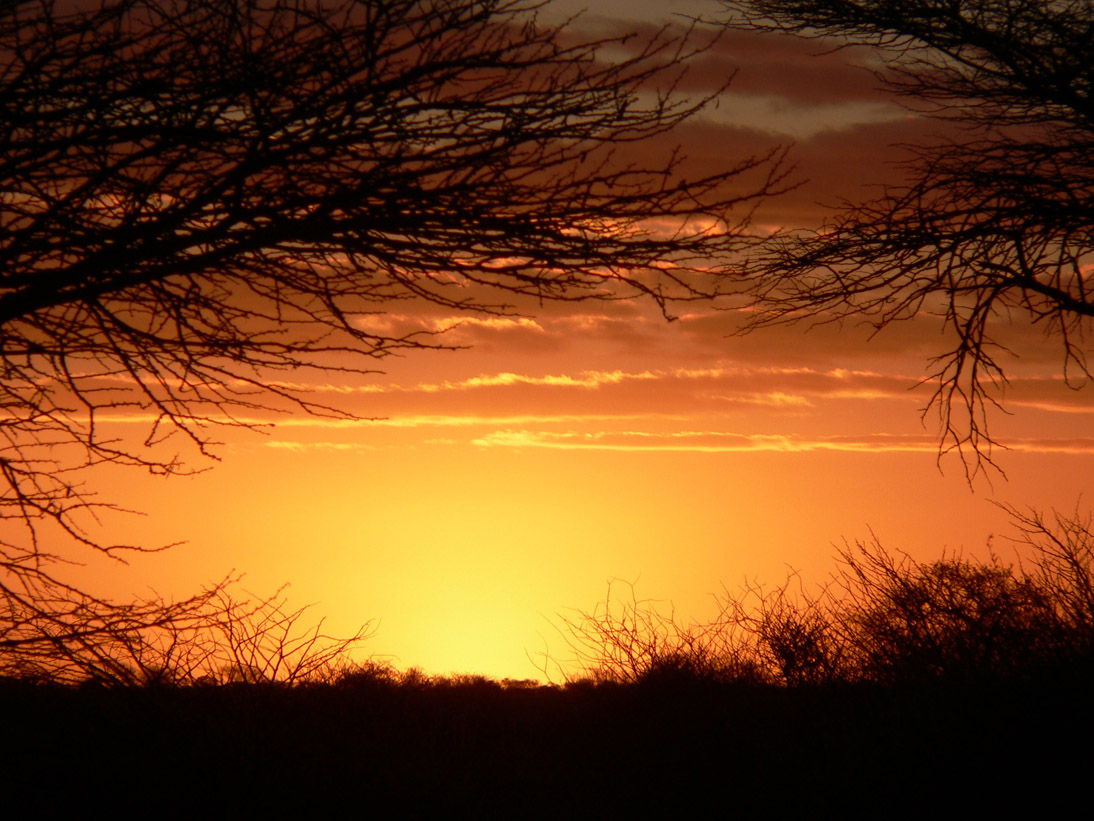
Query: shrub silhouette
point(795, 636)
point(1063, 570)
point(628, 641)
point(884, 618)
point(954, 619)
point(222, 639)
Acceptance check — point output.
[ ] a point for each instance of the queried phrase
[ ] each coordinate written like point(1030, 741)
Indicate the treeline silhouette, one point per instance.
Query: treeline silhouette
point(900, 681)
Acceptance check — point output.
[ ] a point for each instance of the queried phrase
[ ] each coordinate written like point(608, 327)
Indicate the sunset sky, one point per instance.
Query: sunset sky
point(506, 482)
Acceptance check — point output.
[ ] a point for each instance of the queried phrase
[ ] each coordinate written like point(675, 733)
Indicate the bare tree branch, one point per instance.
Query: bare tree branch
point(195, 196)
point(996, 224)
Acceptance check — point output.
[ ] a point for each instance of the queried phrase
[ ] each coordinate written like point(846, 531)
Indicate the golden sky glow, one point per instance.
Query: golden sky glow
point(505, 482)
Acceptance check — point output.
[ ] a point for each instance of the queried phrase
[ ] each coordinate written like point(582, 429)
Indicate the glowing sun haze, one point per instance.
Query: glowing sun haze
point(577, 442)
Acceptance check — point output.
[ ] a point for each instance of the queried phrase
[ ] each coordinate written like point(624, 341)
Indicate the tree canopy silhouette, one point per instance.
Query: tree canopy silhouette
point(195, 196)
point(995, 222)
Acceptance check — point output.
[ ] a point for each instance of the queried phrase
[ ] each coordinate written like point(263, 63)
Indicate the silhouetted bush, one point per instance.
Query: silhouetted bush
point(884, 618)
point(1063, 571)
point(628, 641)
point(957, 619)
point(216, 638)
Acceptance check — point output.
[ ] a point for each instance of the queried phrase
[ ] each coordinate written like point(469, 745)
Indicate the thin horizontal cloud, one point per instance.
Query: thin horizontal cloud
point(402, 324)
point(775, 399)
point(798, 395)
point(593, 379)
point(469, 420)
point(592, 432)
point(1052, 407)
point(706, 442)
point(1077, 445)
point(407, 420)
point(304, 447)
point(585, 379)
point(727, 442)
point(782, 116)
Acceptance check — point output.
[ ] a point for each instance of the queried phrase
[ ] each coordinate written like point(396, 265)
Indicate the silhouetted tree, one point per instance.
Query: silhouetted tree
point(994, 223)
point(197, 195)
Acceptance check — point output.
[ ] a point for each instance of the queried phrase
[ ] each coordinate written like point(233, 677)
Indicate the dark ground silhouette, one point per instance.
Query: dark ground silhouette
point(954, 686)
point(602, 750)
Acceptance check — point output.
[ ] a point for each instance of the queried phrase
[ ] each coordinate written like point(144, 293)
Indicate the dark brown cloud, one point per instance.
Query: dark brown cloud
point(810, 72)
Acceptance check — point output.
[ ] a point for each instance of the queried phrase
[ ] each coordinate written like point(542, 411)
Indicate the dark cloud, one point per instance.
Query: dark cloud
point(809, 72)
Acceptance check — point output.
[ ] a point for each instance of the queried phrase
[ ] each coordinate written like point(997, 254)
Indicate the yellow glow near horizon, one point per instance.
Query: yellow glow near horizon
point(463, 555)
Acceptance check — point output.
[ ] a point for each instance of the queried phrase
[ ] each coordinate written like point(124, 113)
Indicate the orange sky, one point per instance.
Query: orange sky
point(510, 481)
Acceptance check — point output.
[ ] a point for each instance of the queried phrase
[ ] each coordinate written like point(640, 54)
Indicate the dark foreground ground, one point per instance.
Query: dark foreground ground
point(481, 750)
